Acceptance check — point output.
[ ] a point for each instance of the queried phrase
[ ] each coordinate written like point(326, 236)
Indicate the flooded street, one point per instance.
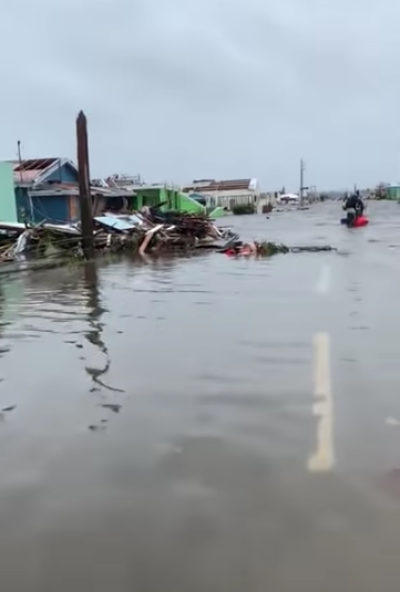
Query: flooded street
point(207, 424)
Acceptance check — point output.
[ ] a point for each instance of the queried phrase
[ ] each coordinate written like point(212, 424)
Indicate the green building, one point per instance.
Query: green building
point(8, 204)
point(173, 199)
point(393, 192)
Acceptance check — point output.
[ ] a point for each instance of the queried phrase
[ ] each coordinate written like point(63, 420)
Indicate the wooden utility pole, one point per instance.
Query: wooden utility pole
point(20, 161)
point(302, 167)
point(85, 197)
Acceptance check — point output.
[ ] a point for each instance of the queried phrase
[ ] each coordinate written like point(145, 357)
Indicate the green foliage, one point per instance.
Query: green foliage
point(267, 248)
point(241, 209)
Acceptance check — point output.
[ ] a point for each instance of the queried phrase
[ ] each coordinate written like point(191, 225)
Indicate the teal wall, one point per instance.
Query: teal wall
point(393, 192)
point(8, 206)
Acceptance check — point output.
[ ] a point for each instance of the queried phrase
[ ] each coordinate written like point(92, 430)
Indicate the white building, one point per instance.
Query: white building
point(226, 194)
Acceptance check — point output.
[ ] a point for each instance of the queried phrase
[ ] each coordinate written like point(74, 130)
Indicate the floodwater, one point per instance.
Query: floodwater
point(207, 424)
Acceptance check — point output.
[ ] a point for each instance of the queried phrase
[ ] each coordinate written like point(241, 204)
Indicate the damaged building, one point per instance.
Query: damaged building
point(48, 189)
point(226, 194)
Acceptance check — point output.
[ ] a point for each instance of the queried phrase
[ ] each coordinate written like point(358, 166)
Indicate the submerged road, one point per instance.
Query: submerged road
point(207, 424)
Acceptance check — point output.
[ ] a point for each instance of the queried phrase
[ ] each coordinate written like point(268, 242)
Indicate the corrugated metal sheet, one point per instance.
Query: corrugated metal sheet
point(37, 169)
point(27, 171)
point(121, 223)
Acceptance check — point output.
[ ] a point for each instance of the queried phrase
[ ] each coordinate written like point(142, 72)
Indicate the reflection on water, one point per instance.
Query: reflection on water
point(94, 334)
point(95, 337)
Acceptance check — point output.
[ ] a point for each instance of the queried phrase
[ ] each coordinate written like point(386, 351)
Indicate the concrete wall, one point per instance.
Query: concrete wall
point(147, 197)
point(8, 205)
point(230, 199)
point(265, 199)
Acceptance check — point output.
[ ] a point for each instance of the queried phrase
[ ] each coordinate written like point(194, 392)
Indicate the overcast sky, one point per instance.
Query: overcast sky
point(183, 89)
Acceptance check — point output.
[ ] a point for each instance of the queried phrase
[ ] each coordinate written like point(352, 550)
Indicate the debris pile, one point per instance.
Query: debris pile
point(43, 240)
point(150, 231)
point(154, 231)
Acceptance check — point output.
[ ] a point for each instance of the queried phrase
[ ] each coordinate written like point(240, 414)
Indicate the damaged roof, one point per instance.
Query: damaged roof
point(212, 185)
point(34, 170)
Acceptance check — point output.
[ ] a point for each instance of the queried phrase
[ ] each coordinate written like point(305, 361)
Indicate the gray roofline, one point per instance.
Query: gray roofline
point(74, 191)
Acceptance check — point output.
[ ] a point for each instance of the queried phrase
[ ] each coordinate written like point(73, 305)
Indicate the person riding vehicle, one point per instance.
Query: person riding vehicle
point(354, 207)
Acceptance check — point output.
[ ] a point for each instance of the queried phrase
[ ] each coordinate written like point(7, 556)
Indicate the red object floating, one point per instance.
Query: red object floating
point(360, 221)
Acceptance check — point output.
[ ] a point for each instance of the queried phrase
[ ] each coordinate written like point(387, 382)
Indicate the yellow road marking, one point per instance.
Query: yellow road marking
point(324, 457)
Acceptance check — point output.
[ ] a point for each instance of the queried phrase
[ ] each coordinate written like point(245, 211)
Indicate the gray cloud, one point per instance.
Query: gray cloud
point(194, 88)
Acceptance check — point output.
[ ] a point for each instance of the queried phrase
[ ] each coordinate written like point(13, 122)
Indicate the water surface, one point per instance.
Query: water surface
point(159, 417)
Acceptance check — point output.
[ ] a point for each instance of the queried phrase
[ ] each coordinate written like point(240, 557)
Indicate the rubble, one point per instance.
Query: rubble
point(150, 231)
point(154, 231)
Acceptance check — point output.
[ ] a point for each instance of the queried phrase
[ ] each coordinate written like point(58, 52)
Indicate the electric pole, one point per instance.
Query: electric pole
point(20, 161)
point(302, 168)
point(85, 196)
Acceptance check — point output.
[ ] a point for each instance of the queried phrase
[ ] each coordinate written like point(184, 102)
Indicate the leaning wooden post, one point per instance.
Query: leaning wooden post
point(85, 197)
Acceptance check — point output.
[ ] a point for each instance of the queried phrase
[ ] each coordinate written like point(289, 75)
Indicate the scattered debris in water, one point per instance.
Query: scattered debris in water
point(267, 249)
point(8, 409)
point(97, 428)
point(312, 249)
point(112, 407)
